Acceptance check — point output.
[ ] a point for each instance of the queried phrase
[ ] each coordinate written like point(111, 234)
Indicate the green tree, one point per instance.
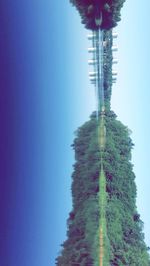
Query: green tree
point(124, 227)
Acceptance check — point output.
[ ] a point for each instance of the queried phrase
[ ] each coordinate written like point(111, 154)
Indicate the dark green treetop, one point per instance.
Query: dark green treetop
point(107, 10)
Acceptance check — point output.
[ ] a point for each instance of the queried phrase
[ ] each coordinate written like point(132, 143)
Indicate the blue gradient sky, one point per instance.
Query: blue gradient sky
point(44, 96)
point(42, 49)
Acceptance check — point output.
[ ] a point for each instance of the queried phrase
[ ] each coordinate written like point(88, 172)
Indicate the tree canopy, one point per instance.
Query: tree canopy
point(124, 227)
point(108, 11)
point(126, 244)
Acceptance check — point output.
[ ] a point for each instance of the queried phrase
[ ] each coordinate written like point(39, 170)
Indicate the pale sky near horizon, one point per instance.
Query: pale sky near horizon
point(131, 95)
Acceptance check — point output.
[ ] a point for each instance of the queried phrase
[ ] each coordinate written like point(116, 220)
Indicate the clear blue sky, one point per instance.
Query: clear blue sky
point(44, 96)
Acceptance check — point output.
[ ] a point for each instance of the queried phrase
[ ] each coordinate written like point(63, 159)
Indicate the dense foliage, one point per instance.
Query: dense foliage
point(84, 218)
point(107, 60)
point(90, 9)
point(125, 240)
point(124, 226)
